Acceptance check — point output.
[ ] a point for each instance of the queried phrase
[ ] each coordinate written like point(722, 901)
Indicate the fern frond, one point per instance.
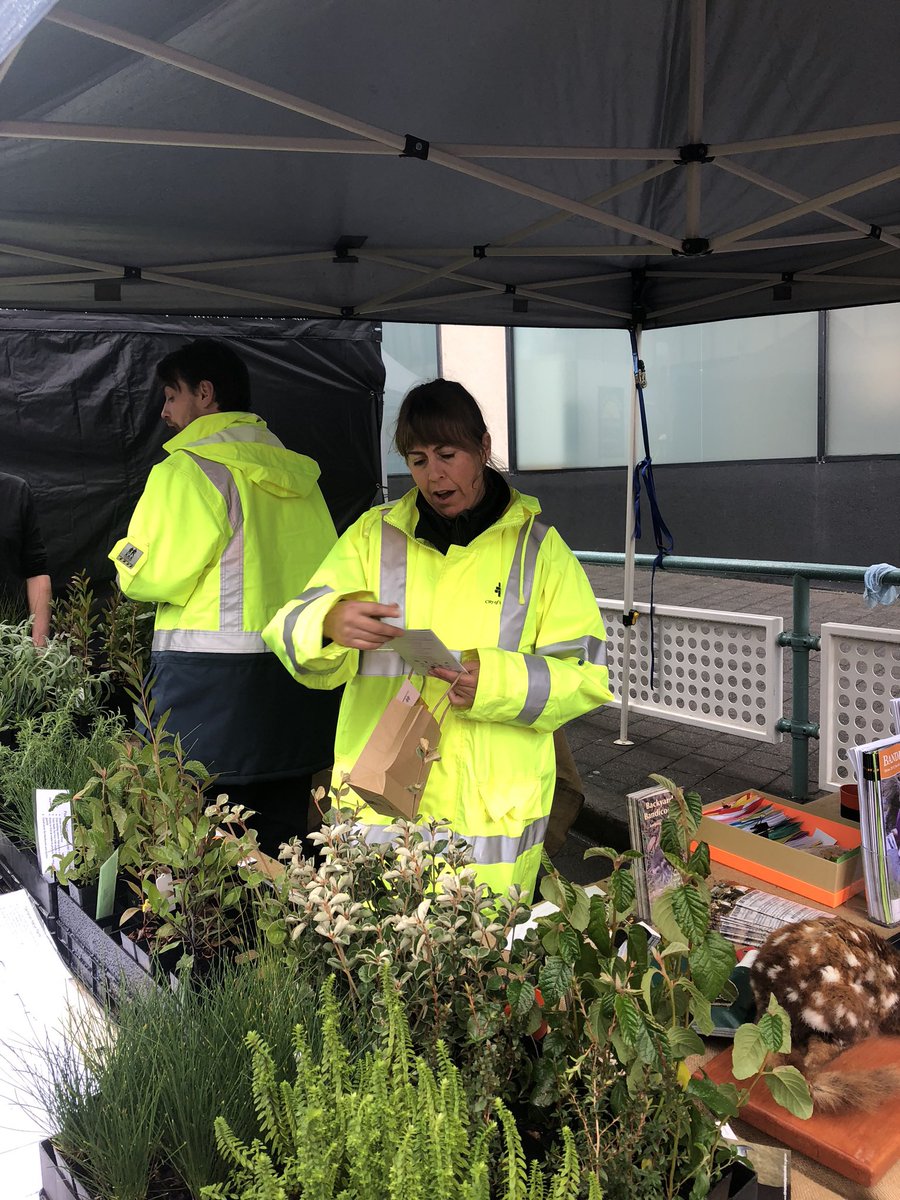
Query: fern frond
point(513, 1154)
point(535, 1183)
point(595, 1192)
point(568, 1177)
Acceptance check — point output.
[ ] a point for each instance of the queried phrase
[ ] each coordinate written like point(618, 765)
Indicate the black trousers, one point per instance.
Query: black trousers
point(281, 807)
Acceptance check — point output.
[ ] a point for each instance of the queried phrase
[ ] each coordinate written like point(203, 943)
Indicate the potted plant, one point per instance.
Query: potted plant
point(197, 887)
point(416, 904)
point(624, 1014)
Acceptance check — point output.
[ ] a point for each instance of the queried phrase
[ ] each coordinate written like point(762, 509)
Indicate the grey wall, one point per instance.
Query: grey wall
point(840, 512)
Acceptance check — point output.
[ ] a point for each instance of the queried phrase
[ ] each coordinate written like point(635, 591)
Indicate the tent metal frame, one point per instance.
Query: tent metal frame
point(423, 268)
point(364, 138)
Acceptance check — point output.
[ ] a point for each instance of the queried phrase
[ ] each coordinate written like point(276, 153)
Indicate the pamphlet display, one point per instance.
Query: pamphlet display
point(653, 873)
point(877, 768)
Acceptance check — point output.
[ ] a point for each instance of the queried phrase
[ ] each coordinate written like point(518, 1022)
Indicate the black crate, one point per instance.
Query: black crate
point(20, 866)
point(57, 1179)
point(96, 955)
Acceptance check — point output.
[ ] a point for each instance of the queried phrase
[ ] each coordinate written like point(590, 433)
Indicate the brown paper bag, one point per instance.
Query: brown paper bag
point(393, 766)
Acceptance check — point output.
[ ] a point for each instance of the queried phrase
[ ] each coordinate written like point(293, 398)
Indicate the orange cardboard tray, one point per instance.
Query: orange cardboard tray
point(828, 883)
point(861, 1146)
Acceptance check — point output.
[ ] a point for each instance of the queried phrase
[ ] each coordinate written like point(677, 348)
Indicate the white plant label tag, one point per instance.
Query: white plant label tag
point(52, 826)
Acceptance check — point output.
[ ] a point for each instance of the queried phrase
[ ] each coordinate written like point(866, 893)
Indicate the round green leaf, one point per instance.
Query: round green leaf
point(790, 1090)
point(749, 1052)
point(683, 1042)
point(711, 962)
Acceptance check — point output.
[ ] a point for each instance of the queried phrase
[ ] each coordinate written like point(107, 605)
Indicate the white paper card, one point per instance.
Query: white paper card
point(422, 649)
point(52, 828)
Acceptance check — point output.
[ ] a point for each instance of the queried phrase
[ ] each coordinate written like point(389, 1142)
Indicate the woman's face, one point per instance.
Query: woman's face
point(451, 478)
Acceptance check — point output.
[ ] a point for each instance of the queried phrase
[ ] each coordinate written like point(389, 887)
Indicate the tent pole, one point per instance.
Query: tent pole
point(815, 205)
point(251, 87)
point(518, 235)
point(628, 583)
point(818, 137)
point(788, 193)
point(695, 115)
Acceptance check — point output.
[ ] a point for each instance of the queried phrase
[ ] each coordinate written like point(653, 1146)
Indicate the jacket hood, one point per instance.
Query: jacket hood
point(242, 442)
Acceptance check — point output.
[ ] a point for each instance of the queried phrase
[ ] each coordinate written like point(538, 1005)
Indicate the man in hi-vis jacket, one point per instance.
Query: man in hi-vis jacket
point(230, 525)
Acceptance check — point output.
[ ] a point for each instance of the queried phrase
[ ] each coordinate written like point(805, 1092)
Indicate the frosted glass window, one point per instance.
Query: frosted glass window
point(572, 389)
point(739, 389)
point(863, 380)
point(410, 356)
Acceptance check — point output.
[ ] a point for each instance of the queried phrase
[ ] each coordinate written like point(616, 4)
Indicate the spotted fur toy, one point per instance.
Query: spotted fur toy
point(840, 984)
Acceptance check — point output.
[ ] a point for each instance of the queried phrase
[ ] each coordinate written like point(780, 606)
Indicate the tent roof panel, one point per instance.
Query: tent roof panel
point(597, 78)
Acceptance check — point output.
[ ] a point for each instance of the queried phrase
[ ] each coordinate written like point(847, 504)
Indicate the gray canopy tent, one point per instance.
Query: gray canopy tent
point(580, 163)
point(512, 162)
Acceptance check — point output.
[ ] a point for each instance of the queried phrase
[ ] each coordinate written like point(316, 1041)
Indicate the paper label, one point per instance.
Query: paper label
point(106, 886)
point(52, 828)
point(408, 694)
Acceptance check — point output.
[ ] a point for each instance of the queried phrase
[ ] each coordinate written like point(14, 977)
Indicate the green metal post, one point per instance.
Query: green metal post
point(799, 726)
point(800, 701)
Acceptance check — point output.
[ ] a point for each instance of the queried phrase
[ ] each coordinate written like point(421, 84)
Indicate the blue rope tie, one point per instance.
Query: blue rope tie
point(643, 476)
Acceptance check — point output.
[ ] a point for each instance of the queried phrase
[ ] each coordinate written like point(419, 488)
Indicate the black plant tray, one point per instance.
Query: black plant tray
point(738, 1183)
point(96, 956)
point(20, 866)
point(58, 1182)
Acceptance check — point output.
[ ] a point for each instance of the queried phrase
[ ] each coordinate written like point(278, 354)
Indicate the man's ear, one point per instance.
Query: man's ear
point(206, 394)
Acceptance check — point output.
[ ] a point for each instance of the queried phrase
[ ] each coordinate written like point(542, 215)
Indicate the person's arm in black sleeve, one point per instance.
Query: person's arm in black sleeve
point(35, 573)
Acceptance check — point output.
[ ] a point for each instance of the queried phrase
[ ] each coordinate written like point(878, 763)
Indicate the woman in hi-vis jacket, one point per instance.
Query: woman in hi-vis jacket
point(464, 555)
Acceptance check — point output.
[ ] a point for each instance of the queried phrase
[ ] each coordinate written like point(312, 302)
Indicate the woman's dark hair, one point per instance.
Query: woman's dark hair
point(207, 358)
point(439, 413)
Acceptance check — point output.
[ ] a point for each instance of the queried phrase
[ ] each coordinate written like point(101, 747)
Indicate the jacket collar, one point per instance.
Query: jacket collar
point(404, 515)
point(203, 427)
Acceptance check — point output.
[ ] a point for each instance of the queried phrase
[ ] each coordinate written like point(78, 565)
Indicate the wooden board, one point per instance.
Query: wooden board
point(861, 1146)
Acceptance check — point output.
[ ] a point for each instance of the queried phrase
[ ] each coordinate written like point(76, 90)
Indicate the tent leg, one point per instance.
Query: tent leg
point(628, 584)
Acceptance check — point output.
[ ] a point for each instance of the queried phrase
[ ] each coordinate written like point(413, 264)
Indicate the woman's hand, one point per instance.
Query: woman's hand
point(462, 694)
point(357, 624)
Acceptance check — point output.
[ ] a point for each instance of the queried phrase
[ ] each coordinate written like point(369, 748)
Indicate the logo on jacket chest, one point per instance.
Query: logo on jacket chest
point(498, 591)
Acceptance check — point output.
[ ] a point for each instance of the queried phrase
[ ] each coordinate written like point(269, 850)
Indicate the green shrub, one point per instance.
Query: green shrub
point(36, 680)
point(136, 1104)
point(386, 1128)
point(415, 903)
point(50, 751)
point(623, 1017)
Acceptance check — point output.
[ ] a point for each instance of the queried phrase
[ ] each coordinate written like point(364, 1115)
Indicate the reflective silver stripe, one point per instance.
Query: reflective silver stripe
point(231, 564)
point(512, 614)
point(487, 850)
point(241, 433)
point(210, 641)
point(383, 663)
point(392, 576)
point(591, 649)
point(291, 619)
point(538, 689)
point(499, 848)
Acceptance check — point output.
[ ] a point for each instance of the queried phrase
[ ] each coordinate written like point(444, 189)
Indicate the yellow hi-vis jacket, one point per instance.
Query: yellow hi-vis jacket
point(516, 598)
point(229, 526)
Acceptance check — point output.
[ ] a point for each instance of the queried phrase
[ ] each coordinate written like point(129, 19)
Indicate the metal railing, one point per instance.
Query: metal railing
point(799, 638)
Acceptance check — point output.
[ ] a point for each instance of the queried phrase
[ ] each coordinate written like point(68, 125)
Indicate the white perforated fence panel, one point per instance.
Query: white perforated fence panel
point(860, 673)
point(718, 669)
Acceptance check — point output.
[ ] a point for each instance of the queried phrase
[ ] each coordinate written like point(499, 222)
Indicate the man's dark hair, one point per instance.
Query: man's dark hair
point(215, 361)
